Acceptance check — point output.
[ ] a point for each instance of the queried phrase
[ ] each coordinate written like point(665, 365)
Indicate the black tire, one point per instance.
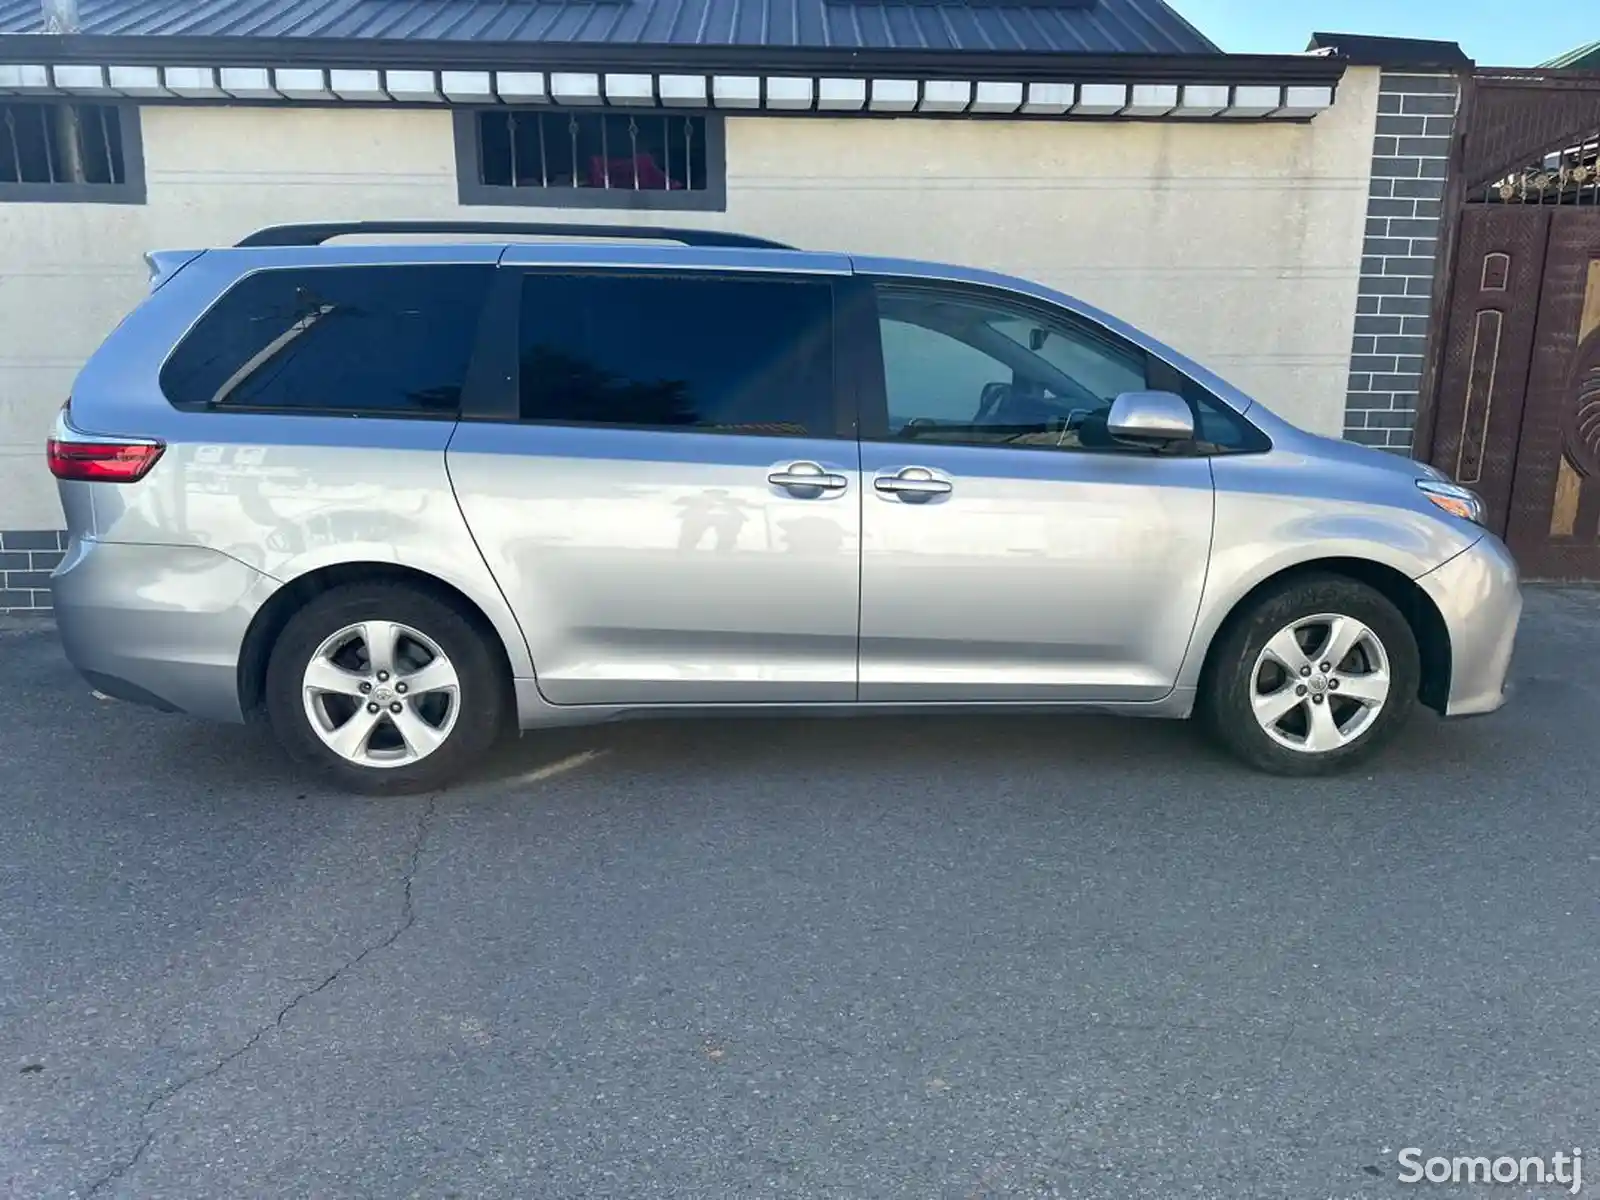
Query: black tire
point(484, 701)
point(1225, 700)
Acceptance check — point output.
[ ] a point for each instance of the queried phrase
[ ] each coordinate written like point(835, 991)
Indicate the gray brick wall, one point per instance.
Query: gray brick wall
point(1410, 153)
point(27, 556)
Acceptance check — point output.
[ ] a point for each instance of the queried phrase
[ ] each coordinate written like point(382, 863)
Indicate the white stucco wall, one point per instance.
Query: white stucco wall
point(1239, 244)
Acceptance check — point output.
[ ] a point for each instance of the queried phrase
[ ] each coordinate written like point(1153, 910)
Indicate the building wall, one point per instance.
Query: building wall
point(1238, 243)
point(1410, 154)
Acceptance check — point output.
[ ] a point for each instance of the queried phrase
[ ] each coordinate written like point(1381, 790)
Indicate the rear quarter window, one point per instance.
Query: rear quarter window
point(355, 340)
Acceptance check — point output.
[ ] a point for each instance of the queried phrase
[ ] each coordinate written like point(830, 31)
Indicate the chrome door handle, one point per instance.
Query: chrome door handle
point(912, 484)
point(806, 477)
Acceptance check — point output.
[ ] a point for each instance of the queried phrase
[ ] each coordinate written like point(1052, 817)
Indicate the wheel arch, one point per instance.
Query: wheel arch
point(1427, 623)
point(272, 616)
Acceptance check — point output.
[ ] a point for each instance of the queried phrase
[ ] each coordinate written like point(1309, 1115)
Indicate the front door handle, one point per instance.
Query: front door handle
point(912, 484)
point(806, 480)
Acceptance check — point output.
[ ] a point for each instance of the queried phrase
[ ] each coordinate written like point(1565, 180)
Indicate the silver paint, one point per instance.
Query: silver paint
point(667, 567)
point(655, 572)
point(1041, 575)
point(1477, 594)
point(1150, 416)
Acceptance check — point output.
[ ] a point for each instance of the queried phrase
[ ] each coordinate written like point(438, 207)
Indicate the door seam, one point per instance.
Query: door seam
point(489, 570)
point(1205, 583)
point(861, 557)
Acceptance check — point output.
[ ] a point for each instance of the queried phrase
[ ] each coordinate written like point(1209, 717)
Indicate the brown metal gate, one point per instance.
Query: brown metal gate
point(1516, 366)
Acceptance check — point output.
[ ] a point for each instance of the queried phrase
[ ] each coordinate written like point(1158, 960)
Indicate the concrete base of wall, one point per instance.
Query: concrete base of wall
point(27, 556)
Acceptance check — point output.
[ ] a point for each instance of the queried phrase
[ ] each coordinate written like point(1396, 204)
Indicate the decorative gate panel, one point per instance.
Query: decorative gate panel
point(1515, 397)
point(1490, 335)
point(1555, 519)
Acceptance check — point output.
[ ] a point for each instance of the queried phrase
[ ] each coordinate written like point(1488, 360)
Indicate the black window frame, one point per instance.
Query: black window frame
point(471, 189)
point(131, 144)
point(1159, 373)
point(472, 376)
point(493, 389)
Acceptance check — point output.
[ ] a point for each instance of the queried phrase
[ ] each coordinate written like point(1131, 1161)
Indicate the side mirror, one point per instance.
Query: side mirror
point(1150, 418)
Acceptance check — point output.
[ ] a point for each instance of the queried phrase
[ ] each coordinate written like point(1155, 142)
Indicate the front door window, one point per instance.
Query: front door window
point(962, 369)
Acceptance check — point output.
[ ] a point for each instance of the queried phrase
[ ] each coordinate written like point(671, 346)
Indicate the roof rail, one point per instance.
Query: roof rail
point(316, 234)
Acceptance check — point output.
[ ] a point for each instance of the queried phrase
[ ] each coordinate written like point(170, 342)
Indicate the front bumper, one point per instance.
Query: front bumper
point(1478, 594)
point(158, 625)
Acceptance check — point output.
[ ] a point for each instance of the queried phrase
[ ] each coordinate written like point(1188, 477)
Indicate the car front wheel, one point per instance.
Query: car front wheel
point(386, 688)
point(1314, 678)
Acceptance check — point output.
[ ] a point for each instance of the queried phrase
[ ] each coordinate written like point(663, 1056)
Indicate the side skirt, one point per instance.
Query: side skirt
point(535, 712)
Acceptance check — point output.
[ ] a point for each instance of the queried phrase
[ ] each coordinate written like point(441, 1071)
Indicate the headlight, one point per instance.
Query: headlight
point(1454, 499)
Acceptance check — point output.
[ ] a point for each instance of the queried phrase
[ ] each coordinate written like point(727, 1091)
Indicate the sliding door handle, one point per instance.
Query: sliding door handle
point(912, 484)
point(806, 480)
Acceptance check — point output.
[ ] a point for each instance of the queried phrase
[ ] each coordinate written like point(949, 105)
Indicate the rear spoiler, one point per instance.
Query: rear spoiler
point(164, 264)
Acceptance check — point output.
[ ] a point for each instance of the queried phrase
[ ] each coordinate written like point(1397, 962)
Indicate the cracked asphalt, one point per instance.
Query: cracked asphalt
point(933, 958)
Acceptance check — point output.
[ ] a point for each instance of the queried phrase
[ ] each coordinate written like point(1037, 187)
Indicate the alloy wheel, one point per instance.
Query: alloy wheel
point(1320, 683)
point(381, 694)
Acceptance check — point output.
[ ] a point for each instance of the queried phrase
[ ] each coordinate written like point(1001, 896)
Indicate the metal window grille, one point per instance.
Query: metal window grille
point(1567, 176)
point(61, 144)
point(611, 152)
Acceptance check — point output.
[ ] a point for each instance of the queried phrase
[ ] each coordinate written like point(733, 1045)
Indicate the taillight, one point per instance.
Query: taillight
point(101, 459)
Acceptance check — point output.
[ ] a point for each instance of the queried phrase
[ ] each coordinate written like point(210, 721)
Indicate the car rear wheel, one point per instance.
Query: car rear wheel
point(1315, 678)
point(384, 687)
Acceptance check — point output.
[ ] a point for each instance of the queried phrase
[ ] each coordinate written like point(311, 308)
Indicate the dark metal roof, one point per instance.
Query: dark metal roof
point(1005, 26)
point(1584, 58)
point(1369, 51)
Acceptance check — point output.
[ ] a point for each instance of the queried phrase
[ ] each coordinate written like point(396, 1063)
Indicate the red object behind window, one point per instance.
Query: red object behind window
point(622, 171)
point(103, 461)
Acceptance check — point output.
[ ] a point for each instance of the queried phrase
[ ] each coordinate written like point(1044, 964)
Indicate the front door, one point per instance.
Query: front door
point(1010, 550)
point(674, 514)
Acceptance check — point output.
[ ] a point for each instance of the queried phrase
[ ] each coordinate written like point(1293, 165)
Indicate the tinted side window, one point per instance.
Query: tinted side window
point(932, 376)
point(715, 353)
point(392, 340)
point(1218, 429)
point(960, 367)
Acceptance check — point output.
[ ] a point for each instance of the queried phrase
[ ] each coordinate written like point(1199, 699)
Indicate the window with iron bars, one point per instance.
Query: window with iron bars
point(591, 159)
point(70, 152)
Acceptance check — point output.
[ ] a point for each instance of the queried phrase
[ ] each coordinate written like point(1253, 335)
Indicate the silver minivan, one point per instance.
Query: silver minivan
point(398, 498)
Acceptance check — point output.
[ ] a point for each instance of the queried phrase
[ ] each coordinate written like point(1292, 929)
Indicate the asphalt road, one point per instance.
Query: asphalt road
point(903, 958)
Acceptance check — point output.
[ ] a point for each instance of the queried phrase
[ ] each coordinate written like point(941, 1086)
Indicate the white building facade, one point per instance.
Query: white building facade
point(1224, 210)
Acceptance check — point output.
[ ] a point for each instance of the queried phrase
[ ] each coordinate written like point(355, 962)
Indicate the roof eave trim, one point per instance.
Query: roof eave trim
point(51, 50)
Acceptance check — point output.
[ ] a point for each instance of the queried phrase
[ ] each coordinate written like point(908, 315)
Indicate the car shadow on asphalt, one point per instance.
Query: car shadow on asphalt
point(940, 751)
